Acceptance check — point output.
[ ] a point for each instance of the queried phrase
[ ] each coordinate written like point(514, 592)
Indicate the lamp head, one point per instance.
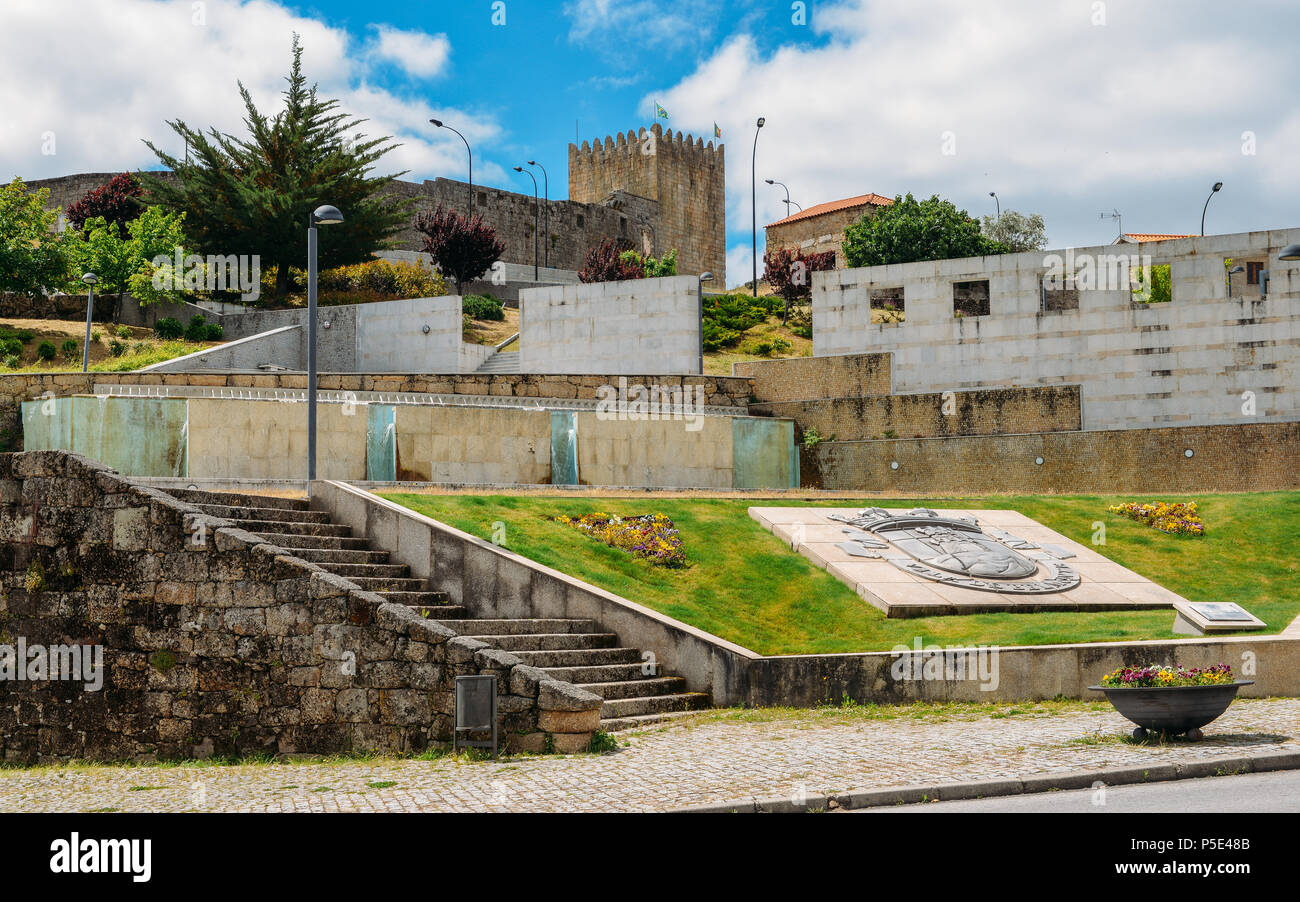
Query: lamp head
point(993, 194)
point(706, 277)
point(1236, 269)
point(436, 122)
point(519, 169)
point(770, 181)
point(532, 162)
point(762, 121)
point(1218, 186)
point(326, 215)
point(1290, 253)
point(90, 278)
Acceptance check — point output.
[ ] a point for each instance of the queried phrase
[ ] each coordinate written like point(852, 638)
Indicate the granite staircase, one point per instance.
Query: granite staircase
point(573, 650)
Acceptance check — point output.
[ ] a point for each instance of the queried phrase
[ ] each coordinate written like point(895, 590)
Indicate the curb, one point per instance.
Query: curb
point(854, 800)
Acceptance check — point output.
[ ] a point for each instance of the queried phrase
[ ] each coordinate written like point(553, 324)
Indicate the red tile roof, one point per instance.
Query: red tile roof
point(847, 203)
point(1144, 236)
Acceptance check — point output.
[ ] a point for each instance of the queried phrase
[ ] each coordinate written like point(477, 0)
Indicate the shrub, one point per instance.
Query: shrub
point(166, 328)
point(769, 346)
point(215, 332)
point(46, 350)
point(69, 349)
point(197, 330)
point(13, 347)
point(123, 331)
point(96, 336)
point(116, 348)
point(12, 362)
point(25, 335)
point(612, 261)
point(482, 306)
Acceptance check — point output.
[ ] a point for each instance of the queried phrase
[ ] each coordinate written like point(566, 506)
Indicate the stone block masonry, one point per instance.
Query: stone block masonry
point(817, 378)
point(216, 642)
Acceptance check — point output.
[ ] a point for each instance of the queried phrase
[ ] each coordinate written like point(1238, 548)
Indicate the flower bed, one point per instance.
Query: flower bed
point(1178, 518)
point(1157, 676)
point(651, 537)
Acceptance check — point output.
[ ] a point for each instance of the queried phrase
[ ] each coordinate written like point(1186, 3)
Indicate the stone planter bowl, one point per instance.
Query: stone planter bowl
point(1172, 709)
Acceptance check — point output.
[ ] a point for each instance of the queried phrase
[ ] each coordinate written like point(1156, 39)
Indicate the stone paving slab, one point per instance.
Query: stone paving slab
point(711, 759)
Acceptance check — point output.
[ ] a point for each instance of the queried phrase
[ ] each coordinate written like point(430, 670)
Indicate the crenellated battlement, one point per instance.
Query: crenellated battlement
point(679, 171)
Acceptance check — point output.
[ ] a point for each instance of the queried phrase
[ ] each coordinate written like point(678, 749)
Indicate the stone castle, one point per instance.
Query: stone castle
point(656, 191)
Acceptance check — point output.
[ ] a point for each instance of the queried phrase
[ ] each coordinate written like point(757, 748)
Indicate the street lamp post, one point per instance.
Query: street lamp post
point(92, 280)
point(546, 195)
point(536, 277)
point(1213, 191)
point(753, 206)
point(438, 123)
point(322, 215)
point(788, 202)
point(704, 277)
point(998, 201)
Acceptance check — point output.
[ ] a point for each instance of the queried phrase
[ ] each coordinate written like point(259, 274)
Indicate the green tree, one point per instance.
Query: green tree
point(254, 196)
point(1016, 231)
point(126, 263)
point(909, 230)
point(32, 257)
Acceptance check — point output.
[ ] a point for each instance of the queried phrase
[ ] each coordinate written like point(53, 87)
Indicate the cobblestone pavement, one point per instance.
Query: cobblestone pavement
point(709, 759)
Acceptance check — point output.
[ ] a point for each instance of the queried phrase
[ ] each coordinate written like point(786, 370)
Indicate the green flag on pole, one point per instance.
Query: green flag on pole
point(660, 112)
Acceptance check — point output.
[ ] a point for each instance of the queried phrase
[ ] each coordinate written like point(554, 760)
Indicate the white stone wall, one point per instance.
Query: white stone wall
point(1186, 362)
point(642, 326)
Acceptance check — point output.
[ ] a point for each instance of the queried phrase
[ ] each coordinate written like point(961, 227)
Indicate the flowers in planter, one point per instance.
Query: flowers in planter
point(1156, 676)
point(1178, 518)
point(652, 537)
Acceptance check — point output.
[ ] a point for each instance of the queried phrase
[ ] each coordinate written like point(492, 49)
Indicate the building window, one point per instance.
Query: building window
point(582, 221)
point(1254, 268)
point(970, 298)
point(482, 198)
point(1059, 294)
point(888, 305)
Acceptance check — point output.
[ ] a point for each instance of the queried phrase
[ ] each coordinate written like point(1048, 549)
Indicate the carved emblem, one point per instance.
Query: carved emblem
point(956, 551)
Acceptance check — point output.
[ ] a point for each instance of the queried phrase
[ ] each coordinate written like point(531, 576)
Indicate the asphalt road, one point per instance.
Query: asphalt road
point(1278, 791)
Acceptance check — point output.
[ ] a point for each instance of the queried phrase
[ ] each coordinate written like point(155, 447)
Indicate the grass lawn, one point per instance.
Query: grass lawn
point(744, 585)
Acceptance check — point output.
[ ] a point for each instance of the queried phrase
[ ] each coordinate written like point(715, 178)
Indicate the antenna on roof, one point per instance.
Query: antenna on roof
point(1115, 216)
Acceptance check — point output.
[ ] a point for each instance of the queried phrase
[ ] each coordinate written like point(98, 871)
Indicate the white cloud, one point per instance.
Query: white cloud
point(102, 76)
point(1059, 116)
point(618, 26)
point(418, 53)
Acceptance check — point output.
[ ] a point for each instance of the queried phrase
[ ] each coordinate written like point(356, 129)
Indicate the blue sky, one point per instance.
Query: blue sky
point(1069, 108)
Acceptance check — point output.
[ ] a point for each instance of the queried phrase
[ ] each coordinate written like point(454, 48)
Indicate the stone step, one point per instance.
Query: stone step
point(529, 627)
point(650, 686)
point(238, 499)
point(415, 599)
point(615, 724)
point(600, 673)
point(366, 571)
point(283, 528)
point(293, 542)
point(327, 557)
point(451, 616)
point(654, 704)
point(388, 584)
point(588, 657)
point(264, 514)
point(549, 641)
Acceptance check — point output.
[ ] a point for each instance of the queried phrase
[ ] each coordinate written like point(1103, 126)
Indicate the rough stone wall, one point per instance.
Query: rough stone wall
point(215, 642)
point(1257, 457)
point(816, 378)
point(997, 411)
point(680, 172)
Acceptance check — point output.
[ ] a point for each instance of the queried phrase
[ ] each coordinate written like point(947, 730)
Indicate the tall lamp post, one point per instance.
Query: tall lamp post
point(704, 277)
point(1213, 191)
point(92, 280)
point(438, 123)
point(322, 215)
point(536, 216)
point(997, 200)
point(753, 206)
point(546, 195)
point(788, 202)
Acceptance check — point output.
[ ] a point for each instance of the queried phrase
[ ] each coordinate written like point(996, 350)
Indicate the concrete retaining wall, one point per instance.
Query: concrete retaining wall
point(647, 326)
point(279, 346)
point(1185, 362)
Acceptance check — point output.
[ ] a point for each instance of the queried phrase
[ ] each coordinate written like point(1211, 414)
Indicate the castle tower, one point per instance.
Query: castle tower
point(683, 175)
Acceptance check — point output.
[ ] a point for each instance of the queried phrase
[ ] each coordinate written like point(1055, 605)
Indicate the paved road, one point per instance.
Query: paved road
point(1246, 793)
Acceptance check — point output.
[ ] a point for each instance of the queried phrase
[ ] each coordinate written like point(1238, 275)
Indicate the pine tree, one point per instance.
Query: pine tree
point(254, 196)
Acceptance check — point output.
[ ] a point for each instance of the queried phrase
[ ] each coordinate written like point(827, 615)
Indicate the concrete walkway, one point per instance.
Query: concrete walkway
point(712, 758)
